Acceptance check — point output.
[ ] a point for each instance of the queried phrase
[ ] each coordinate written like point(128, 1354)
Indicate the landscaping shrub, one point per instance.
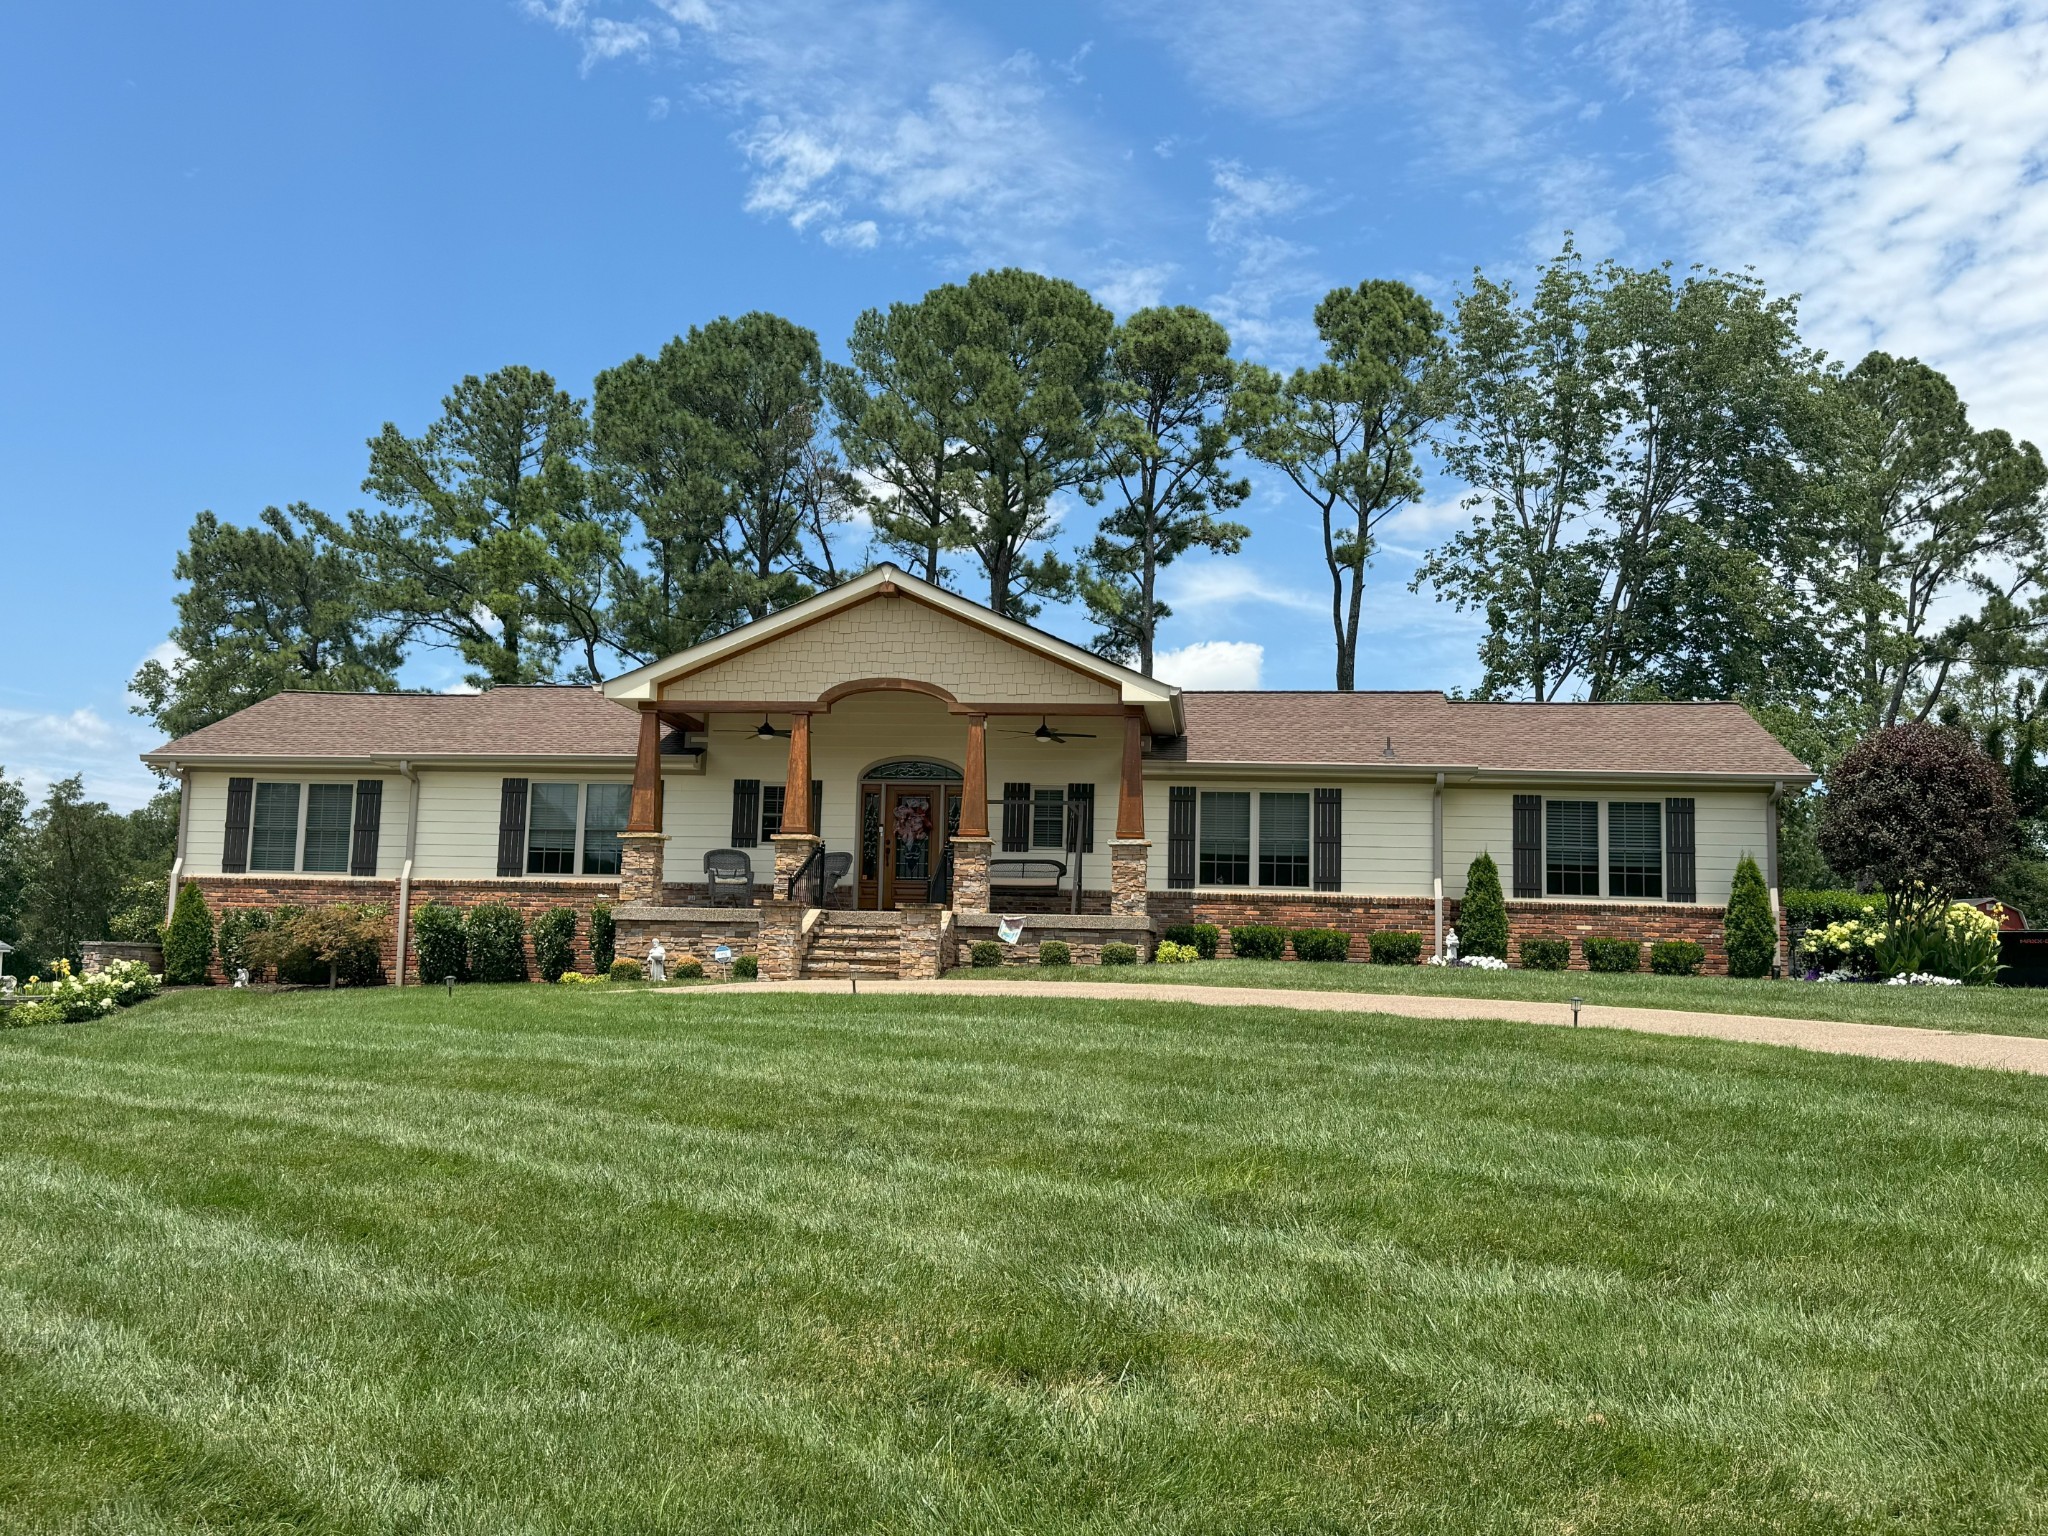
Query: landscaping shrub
point(188, 938)
point(1170, 953)
point(1393, 947)
point(1321, 944)
point(339, 944)
point(1203, 938)
point(627, 970)
point(1612, 954)
point(985, 955)
point(746, 968)
point(69, 999)
point(1483, 914)
point(554, 942)
point(1750, 936)
point(1122, 954)
point(440, 947)
point(1055, 952)
point(1546, 954)
point(289, 962)
point(686, 969)
point(497, 951)
point(238, 926)
point(1258, 941)
point(1677, 957)
point(603, 936)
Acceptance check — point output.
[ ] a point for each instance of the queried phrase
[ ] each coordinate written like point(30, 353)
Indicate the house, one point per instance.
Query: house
point(871, 778)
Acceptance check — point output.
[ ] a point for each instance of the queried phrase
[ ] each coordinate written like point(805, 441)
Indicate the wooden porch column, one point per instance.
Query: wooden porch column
point(1130, 797)
point(974, 781)
point(796, 796)
point(645, 814)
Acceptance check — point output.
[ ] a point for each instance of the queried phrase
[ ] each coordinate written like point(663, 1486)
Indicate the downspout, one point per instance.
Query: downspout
point(1436, 857)
point(1771, 876)
point(412, 822)
point(178, 852)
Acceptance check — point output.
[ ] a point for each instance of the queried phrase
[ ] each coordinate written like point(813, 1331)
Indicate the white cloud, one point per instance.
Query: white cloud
point(40, 748)
point(1211, 664)
point(1273, 281)
point(1128, 288)
point(1193, 585)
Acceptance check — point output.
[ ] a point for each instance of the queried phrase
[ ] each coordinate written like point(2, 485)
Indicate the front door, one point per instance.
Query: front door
point(915, 820)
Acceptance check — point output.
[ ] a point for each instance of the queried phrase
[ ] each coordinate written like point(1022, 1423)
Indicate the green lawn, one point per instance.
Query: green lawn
point(1987, 1010)
point(535, 1260)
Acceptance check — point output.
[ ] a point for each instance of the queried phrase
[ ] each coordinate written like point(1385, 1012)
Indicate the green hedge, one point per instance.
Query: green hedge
point(1612, 954)
point(1258, 941)
point(1394, 947)
point(985, 954)
point(1546, 954)
point(1203, 938)
point(1119, 954)
point(626, 970)
point(603, 937)
point(1677, 957)
point(746, 967)
point(1055, 952)
point(1483, 913)
point(1321, 944)
point(554, 942)
point(496, 936)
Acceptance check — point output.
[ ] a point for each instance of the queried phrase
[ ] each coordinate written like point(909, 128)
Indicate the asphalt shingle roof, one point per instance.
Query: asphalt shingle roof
point(499, 722)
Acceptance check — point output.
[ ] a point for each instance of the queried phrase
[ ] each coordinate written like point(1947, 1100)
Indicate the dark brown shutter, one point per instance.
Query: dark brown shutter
point(1528, 846)
point(1016, 818)
point(817, 807)
point(1329, 840)
point(512, 827)
point(1083, 796)
point(1180, 837)
point(362, 856)
point(746, 812)
point(1681, 879)
point(234, 848)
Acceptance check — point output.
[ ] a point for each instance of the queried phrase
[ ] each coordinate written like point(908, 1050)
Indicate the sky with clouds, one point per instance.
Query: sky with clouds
point(243, 235)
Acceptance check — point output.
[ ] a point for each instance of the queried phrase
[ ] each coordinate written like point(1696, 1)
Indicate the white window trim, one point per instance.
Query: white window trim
point(582, 787)
point(305, 787)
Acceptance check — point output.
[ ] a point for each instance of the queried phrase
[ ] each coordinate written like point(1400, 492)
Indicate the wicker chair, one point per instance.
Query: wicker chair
point(728, 869)
point(837, 867)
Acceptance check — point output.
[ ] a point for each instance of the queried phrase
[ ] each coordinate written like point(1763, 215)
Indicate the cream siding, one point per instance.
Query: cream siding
point(1385, 830)
point(897, 638)
point(206, 829)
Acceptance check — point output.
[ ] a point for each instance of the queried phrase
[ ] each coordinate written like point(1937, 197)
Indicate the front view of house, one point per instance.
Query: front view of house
point(875, 776)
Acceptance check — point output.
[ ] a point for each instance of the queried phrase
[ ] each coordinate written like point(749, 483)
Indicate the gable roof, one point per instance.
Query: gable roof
point(1430, 731)
point(543, 721)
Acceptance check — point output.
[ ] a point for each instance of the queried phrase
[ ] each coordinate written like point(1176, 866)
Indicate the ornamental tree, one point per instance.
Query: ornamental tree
point(1919, 812)
point(1483, 914)
point(188, 938)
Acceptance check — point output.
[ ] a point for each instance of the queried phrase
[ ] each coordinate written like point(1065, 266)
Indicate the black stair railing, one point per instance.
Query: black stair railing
point(942, 880)
point(809, 878)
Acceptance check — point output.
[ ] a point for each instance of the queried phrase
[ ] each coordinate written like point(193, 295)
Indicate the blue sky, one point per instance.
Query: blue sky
point(240, 236)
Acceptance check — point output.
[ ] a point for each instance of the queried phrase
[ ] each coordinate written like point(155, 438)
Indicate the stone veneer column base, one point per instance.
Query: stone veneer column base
point(780, 947)
point(641, 857)
point(920, 959)
point(970, 873)
point(1129, 869)
point(792, 850)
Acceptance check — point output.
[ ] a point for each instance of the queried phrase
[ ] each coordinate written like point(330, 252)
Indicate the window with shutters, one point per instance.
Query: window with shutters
point(1571, 837)
point(1048, 818)
point(1635, 849)
point(605, 810)
point(573, 829)
point(274, 829)
point(330, 818)
point(551, 829)
point(1226, 838)
point(771, 809)
point(1283, 839)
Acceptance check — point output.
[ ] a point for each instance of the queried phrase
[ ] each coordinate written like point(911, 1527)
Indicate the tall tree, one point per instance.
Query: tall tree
point(1347, 432)
point(1926, 516)
point(272, 607)
point(902, 423)
point(1029, 363)
point(1166, 445)
point(78, 857)
point(14, 851)
point(497, 550)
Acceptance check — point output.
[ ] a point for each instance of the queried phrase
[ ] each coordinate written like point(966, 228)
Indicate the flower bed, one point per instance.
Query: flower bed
point(69, 999)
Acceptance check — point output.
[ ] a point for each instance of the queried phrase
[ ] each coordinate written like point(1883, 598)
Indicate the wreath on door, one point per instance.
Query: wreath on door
point(913, 820)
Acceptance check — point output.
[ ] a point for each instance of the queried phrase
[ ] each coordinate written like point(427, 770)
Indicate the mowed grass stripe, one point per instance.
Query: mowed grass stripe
point(993, 1267)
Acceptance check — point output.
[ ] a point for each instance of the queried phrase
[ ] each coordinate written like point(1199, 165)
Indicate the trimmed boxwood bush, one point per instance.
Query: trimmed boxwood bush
point(1393, 947)
point(985, 955)
point(603, 937)
point(1750, 935)
point(1677, 957)
point(1203, 938)
point(1483, 913)
point(1612, 954)
point(1321, 944)
point(188, 938)
point(627, 970)
point(1055, 952)
point(440, 947)
point(1120, 954)
point(554, 942)
point(746, 968)
point(686, 970)
point(1546, 954)
point(497, 949)
point(1258, 941)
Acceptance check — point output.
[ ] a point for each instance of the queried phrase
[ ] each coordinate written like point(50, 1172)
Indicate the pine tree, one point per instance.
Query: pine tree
point(1483, 914)
point(1751, 935)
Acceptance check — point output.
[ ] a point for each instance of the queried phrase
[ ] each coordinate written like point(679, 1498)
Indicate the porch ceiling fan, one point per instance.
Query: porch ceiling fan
point(1045, 733)
point(764, 731)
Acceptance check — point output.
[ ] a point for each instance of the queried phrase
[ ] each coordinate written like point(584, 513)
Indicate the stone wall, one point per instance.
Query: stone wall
point(1083, 936)
point(692, 932)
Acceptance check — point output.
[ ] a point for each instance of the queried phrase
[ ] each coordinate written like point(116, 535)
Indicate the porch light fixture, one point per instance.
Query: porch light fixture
point(766, 731)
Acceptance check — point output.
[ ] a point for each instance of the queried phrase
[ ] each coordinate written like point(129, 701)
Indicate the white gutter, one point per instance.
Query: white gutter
point(1771, 875)
point(178, 856)
point(412, 824)
point(1436, 856)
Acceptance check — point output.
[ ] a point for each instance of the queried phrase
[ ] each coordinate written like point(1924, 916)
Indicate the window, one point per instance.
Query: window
point(1635, 849)
point(606, 808)
point(330, 816)
point(551, 830)
point(1048, 818)
point(1283, 839)
point(1226, 838)
point(274, 828)
point(771, 809)
point(1571, 831)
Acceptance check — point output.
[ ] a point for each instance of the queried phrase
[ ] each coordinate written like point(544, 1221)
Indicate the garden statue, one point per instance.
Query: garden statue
point(241, 976)
point(657, 962)
point(1451, 946)
point(6, 986)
